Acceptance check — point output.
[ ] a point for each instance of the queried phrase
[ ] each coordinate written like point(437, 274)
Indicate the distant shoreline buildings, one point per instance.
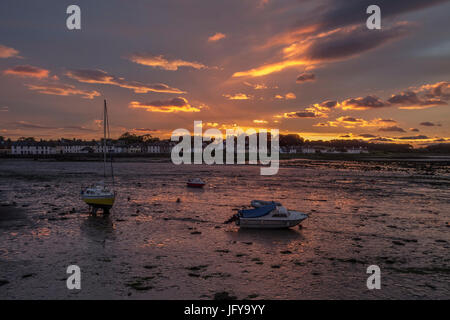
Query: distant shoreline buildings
point(86, 147)
point(129, 144)
point(160, 147)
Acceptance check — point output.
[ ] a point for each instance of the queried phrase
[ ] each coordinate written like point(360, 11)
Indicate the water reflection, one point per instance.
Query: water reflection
point(98, 227)
point(267, 237)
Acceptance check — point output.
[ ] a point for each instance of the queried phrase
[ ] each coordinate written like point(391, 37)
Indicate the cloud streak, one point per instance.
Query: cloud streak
point(336, 45)
point(27, 71)
point(101, 77)
point(7, 52)
point(179, 104)
point(216, 37)
point(62, 90)
point(158, 61)
point(304, 77)
point(238, 96)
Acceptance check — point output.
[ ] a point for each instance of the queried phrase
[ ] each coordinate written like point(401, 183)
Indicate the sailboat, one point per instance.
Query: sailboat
point(99, 195)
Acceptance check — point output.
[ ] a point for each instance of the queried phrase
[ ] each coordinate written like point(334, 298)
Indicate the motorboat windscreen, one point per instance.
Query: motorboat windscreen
point(257, 212)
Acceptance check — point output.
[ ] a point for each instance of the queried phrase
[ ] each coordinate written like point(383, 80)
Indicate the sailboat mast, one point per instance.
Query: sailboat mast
point(104, 139)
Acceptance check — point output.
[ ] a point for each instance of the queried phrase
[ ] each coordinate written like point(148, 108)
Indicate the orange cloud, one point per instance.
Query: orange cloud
point(62, 90)
point(260, 121)
point(363, 103)
point(302, 48)
point(270, 68)
point(27, 71)
point(426, 96)
point(257, 86)
point(314, 111)
point(216, 37)
point(352, 122)
point(102, 77)
point(179, 104)
point(7, 52)
point(163, 63)
point(238, 96)
point(287, 96)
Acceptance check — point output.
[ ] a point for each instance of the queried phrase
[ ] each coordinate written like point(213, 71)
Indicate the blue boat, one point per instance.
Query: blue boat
point(268, 215)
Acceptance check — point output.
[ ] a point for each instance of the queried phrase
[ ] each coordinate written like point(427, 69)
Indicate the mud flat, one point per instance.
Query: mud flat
point(163, 240)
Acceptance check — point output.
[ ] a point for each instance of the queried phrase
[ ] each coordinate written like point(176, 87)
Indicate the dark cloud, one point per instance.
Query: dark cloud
point(329, 104)
point(306, 77)
point(341, 44)
point(301, 114)
point(381, 139)
point(392, 129)
point(178, 102)
point(346, 43)
point(410, 98)
point(387, 121)
point(427, 124)
point(414, 130)
point(367, 135)
point(438, 90)
point(350, 119)
point(342, 13)
point(403, 98)
point(419, 137)
point(27, 71)
point(369, 102)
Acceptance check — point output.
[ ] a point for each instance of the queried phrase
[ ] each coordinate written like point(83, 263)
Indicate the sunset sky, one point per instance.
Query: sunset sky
point(310, 67)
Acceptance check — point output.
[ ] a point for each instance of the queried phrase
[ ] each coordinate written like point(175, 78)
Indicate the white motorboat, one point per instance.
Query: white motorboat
point(268, 215)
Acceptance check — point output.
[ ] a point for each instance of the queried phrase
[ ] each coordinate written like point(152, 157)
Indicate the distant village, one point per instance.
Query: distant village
point(133, 144)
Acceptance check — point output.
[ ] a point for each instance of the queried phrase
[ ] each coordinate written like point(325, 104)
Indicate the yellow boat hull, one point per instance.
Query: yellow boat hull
point(100, 202)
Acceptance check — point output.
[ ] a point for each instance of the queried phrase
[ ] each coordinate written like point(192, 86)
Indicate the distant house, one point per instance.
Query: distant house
point(33, 148)
point(357, 150)
point(135, 149)
point(154, 148)
point(87, 150)
point(308, 149)
point(118, 149)
point(73, 148)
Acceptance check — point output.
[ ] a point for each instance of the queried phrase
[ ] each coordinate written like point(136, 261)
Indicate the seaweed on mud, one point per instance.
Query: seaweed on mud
point(423, 271)
point(223, 296)
point(197, 268)
point(140, 283)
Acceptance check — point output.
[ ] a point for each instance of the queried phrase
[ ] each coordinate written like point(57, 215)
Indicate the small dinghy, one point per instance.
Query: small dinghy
point(267, 215)
point(196, 183)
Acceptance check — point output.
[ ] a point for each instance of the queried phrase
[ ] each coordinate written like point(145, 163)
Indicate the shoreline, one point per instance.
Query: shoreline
point(162, 158)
